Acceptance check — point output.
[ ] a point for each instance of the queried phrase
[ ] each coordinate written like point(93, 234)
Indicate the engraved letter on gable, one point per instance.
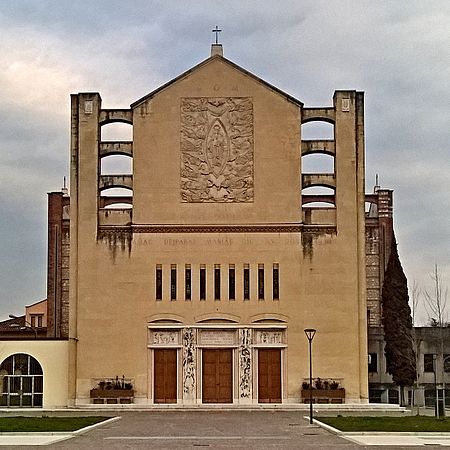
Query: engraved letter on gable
point(216, 149)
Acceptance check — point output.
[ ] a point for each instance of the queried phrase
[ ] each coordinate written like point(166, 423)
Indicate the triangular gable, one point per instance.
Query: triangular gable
point(37, 303)
point(207, 61)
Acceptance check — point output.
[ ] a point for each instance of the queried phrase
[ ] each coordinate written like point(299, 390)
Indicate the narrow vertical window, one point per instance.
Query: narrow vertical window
point(158, 282)
point(231, 282)
point(260, 281)
point(202, 282)
point(276, 282)
point(187, 282)
point(246, 282)
point(173, 282)
point(216, 281)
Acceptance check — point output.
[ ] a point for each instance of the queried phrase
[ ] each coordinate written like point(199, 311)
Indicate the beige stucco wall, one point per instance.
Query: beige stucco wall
point(156, 153)
point(321, 274)
point(37, 308)
point(53, 358)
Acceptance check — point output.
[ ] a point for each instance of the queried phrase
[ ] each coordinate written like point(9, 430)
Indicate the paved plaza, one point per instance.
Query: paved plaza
point(217, 430)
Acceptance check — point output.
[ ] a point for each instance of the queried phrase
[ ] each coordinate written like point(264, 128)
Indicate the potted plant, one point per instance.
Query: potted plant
point(318, 384)
point(323, 391)
point(334, 385)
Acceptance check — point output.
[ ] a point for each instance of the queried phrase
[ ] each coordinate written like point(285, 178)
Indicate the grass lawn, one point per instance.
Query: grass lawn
point(409, 423)
point(30, 424)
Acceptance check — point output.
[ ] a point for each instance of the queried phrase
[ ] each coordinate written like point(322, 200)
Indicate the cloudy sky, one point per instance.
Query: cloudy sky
point(398, 52)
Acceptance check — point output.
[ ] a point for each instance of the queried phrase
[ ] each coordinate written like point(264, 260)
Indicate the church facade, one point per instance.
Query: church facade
point(197, 287)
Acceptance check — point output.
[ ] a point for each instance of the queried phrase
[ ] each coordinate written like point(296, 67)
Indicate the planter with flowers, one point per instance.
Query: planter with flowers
point(112, 391)
point(324, 390)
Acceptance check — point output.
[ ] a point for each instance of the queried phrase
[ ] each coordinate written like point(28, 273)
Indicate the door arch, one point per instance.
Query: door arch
point(21, 381)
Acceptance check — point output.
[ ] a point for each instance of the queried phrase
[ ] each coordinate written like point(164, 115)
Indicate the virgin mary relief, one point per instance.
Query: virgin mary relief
point(216, 149)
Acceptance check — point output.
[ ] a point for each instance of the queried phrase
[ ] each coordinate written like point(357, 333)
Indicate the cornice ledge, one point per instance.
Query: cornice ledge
point(319, 229)
point(240, 228)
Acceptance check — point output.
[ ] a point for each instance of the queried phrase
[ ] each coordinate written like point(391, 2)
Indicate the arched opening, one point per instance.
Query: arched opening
point(21, 381)
point(319, 205)
point(317, 163)
point(116, 131)
point(116, 198)
point(317, 130)
point(117, 205)
point(318, 197)
point(318, 190)
point(116, 164)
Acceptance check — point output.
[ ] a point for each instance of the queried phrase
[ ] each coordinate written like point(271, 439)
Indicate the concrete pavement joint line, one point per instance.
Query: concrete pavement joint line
point(203, 438)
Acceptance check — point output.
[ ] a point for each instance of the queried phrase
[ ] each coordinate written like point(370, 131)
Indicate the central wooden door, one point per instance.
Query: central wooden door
point(165, 373)
point(217, 375)
point(269, 375)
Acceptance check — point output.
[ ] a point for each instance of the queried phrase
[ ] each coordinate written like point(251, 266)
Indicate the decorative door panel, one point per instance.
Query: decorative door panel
point(165, 375)
point(269, 375)
point(217, 376)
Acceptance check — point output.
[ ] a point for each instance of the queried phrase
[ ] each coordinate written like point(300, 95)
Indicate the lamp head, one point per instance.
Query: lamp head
point(310, 333)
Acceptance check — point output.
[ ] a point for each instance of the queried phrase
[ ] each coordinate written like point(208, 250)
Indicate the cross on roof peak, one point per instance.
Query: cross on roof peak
point(217, 31)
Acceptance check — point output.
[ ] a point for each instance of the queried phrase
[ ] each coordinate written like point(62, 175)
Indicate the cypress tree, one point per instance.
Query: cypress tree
point(397, 323)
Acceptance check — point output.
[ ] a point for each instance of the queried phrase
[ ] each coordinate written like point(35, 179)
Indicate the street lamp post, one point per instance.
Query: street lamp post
point(310, 333)
point(12, 316)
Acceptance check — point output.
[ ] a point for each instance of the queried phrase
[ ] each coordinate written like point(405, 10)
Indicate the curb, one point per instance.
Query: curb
point(326, 427)
point(96, 425)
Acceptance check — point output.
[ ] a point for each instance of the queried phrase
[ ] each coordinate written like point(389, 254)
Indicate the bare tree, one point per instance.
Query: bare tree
point(436, 301)
point(416, 341)
point(436, 307)
point(415, 296)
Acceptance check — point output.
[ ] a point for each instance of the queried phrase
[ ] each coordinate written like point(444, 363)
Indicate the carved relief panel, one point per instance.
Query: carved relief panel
point(245, 364)
point(163, 337)
point(189, 364)
point(267, 337)
point(216, 149)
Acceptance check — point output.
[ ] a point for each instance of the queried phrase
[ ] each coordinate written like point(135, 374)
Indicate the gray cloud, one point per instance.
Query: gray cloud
point(398, 55)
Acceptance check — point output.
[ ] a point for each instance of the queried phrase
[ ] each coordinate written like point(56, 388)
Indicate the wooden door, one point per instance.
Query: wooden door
point(217, 375)
point(269, 375)
point(165, 375)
